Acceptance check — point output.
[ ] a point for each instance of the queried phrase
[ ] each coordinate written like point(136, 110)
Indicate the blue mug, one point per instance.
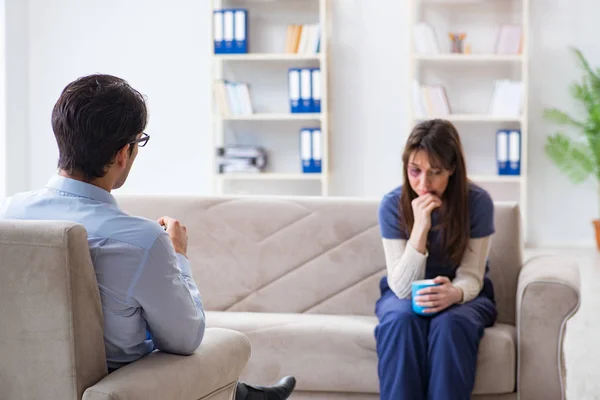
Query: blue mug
point(416, 286)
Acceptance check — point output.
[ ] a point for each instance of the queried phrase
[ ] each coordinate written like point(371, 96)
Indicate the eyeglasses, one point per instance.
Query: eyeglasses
point(142, 141)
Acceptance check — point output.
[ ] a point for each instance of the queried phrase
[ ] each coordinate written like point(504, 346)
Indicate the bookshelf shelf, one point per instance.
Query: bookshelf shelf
point(271, 176)
point(472, 118)
point(268, 57)
point(502, 26)
point(495, 178)
point(243, 83)
point(274, 117)
point(468, 58)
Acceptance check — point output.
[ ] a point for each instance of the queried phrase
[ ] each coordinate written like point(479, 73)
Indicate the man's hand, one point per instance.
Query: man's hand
point(177, 232)
point(438, 298)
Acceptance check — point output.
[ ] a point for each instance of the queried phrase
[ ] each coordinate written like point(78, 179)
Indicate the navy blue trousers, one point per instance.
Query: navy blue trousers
point(431, 358)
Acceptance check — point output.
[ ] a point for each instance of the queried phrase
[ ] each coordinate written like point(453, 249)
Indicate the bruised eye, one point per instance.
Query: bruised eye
point(414, 171)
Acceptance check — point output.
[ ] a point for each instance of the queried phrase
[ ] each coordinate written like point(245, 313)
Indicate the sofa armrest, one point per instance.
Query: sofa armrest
point(215, 367)
point(547, 296)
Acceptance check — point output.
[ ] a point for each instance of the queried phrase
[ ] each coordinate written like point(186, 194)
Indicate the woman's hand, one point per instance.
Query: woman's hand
point(422, 207)
point(438, 298)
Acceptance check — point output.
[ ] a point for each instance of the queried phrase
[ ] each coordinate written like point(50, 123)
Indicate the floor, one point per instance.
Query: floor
point(583, 330)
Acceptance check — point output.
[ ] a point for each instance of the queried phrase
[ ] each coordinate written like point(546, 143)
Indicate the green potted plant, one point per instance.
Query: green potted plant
point(579, 158)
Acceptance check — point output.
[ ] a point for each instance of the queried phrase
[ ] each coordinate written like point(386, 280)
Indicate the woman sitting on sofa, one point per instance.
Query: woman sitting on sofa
point(436, 226)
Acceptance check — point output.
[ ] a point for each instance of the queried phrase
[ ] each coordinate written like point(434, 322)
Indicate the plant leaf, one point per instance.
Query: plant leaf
point(562, 118)
point(573, 159)
point(592, 78)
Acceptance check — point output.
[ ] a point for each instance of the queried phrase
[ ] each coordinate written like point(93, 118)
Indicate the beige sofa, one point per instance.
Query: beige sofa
point(299, 277)
point(51, 344)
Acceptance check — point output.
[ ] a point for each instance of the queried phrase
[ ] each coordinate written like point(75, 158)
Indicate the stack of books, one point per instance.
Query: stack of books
point(233, 99)
point(241, 159)
point(303, 39)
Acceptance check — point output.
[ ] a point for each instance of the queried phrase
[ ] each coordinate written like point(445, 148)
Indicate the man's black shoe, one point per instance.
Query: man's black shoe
point(280, 391)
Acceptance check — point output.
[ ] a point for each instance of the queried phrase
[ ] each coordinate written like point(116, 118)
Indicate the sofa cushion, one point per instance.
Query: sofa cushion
point(337, 352)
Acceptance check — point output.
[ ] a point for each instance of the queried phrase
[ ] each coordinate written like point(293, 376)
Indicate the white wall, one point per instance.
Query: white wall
point(164, 52)
point(17, 108)
point(2, 98)
point(559, 211)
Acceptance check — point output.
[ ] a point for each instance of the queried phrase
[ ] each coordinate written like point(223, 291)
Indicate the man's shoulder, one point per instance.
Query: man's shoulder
point(137, 231)
point(13, 206)
point(101, 220)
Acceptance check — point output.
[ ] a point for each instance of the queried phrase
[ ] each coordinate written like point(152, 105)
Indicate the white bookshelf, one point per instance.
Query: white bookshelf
point(468, 58)
point(275, 61)
point(495, 179)
point(274, 117)
point(270, 177)
point(466, 74)
point(267, 57)
point(472, 118)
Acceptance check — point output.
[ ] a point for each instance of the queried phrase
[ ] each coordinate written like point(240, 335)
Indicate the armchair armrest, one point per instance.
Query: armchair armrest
point(547, 296)
point(214, 368)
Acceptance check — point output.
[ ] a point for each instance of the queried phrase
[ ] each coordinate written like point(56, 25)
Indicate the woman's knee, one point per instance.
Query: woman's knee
point(404, 317)
point(455, 322)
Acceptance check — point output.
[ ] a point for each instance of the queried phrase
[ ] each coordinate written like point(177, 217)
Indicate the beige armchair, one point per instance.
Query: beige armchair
point(51, 334)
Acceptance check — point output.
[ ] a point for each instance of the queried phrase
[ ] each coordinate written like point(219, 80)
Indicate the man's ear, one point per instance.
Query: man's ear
point(122, 156)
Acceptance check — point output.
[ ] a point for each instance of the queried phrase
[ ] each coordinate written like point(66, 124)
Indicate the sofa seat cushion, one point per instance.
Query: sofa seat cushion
point(336, 353)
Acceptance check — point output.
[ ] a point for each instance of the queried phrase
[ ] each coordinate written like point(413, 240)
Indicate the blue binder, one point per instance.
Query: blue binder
point(317, 152)
point(294, 90)
point(311, 154)
point(240, 31)
point(306, 150)
point(228, 30)
point(514, 152)
point(316, 90)
point(218, 31)
point(502, 152)
point(306, 101)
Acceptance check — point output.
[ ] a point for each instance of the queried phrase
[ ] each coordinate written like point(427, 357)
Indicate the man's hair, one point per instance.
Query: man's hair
point(94, 117)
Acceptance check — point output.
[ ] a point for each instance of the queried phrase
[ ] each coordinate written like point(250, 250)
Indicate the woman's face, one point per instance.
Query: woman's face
point(423, 178)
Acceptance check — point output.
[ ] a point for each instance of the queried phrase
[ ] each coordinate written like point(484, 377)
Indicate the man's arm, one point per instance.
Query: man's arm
point(170, 300)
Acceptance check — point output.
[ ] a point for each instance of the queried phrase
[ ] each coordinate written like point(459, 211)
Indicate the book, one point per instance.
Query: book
point(507, 99)
point(303, 39)
point(509, 39)
point(430, 100)
point(242, 159)
point(233, 99)
point(425, 41)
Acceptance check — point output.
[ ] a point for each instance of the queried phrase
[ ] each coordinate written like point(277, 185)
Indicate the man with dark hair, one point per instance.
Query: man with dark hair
point(149, 298)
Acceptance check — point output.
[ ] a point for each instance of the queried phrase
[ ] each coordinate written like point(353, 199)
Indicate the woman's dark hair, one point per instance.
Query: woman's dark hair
point(94, 117)
point(440, 141)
